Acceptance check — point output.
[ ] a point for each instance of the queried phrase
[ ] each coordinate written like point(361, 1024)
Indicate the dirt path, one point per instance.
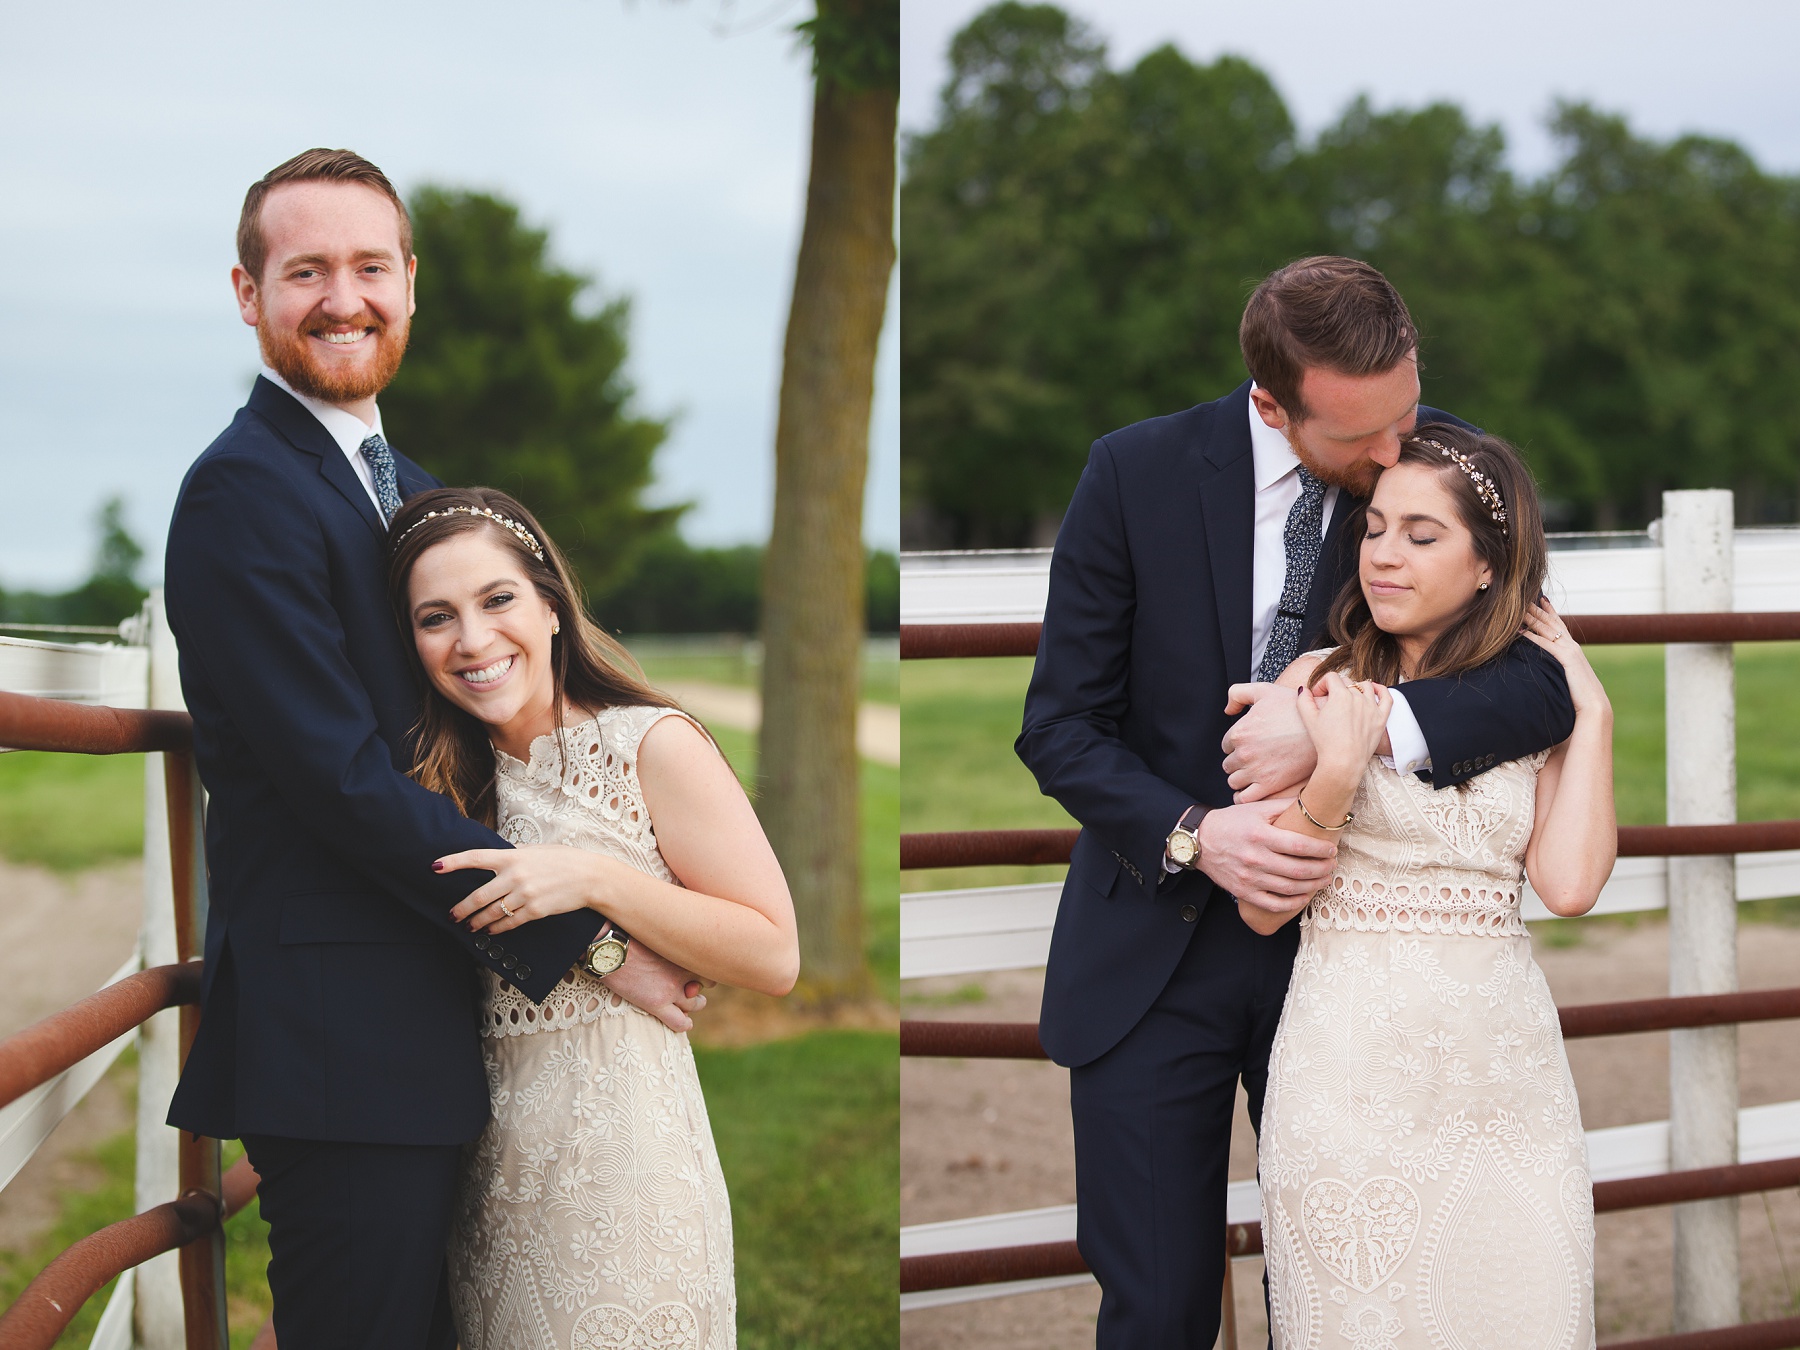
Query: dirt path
point(60, 937)
point(978, 1138)
point(877, 724)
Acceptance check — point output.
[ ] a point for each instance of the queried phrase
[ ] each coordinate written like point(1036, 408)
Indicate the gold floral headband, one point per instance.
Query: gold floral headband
point(1484, 486)
point(524, 536)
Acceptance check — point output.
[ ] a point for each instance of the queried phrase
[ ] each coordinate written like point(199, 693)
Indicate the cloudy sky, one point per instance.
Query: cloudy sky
point(662, 142)
point(1725, 67)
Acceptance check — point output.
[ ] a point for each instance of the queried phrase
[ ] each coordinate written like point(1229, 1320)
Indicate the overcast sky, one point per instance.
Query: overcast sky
point(663, 144)
point(1725, 67)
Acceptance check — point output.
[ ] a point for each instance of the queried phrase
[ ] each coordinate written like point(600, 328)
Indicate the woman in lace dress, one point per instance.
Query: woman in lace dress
point(1423, 1169)
point(593, 1212)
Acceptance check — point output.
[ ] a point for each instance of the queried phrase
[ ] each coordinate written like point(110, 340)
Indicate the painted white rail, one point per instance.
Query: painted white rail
point(1010, 586)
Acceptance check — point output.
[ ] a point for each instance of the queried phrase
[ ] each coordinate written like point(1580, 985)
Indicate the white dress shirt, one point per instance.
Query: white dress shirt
point(1277, 471)
point(346, 428)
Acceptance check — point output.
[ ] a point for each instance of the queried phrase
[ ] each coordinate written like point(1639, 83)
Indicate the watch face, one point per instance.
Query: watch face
point(606, 956)
point(1181, 847)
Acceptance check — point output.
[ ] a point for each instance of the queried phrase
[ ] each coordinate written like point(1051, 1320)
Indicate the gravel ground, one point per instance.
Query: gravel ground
point(978, 1138)
point(60, 937)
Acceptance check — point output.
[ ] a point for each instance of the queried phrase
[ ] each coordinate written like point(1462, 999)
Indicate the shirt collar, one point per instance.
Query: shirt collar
point(1274, 457)
point(346, 428)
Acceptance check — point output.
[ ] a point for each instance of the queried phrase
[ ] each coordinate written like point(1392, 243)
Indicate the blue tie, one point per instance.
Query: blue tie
point(387, 480)
point(1301, 537)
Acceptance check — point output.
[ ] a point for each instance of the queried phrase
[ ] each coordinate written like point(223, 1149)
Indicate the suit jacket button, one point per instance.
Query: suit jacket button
point(1460, 766)
point(1490, 761)
point(509, 961)
point(1189, 913)
point(523, 972)
point(481, 944)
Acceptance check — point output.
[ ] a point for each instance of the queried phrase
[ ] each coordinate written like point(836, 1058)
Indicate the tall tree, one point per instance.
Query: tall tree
point(515, 378)
point(813, 618)
point(1080, 241)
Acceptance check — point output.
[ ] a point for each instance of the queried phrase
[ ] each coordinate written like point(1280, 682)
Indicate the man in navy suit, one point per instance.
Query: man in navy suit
point(1199, 555)
point(338, 1035)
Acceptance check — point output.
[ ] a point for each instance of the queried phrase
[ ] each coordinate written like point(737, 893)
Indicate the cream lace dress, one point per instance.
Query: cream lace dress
point(1424, 1174)
point(593, 1214)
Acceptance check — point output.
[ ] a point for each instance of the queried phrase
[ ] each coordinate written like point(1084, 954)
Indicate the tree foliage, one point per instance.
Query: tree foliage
point(515, 378)
point(110, 595)
point(1080, 241)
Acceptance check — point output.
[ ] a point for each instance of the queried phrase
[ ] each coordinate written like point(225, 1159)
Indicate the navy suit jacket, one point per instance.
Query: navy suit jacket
point(339, 1000)
point(1147, 624)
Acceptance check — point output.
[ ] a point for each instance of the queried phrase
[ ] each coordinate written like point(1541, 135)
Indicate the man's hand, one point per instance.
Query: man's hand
point(661, 988)
point(1274, 869)
point(1267, 751)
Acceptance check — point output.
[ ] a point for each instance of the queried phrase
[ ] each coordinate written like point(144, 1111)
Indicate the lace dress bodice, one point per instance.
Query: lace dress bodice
point(593, 1213)
point(1422, 860)
point(587, 798)
point(1422, 1160)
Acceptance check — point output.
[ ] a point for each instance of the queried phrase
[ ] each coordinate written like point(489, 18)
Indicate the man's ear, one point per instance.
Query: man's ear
point(249, 299)
point(412, 272)
point(1271, 412)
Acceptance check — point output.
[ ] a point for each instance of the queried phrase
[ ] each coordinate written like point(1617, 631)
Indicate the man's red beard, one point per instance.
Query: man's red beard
point(1358, 479)
point(291, 356)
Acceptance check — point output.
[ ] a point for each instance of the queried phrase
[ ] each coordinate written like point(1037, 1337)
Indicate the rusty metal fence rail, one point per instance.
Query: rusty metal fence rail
point(192, 1223)
point(1016, 1040)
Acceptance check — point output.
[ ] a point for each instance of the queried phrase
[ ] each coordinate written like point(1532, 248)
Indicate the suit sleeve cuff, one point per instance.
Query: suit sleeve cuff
point(1410, 753)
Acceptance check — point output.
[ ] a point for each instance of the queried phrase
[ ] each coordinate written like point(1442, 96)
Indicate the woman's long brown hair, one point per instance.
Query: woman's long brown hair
point(1517, 555)
point(591, 670)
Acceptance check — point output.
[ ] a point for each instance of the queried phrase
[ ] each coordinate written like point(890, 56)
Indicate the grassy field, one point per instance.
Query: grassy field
point(959, 718)
point(808, 1128)
point(725, 663)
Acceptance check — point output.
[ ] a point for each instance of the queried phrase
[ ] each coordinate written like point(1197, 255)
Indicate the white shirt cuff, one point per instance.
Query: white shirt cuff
point(1405, 739)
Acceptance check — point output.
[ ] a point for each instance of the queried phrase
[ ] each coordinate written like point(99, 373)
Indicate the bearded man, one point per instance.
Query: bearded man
point(338, 1034)
point(1202, 551)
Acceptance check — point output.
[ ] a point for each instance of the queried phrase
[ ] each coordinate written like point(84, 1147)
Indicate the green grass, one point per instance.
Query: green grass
point(71, 811)
point(959, 719)
point(809, 1136)
point(729, 663)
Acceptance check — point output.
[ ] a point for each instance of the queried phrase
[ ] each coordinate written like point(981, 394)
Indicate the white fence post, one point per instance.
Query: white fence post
point(1702, 790)
point(158, 1323)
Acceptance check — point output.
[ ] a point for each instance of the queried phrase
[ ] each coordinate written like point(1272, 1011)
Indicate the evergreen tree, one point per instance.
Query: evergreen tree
point(515, 378)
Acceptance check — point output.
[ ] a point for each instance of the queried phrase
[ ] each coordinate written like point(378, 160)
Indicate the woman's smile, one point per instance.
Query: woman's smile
point(488, 676)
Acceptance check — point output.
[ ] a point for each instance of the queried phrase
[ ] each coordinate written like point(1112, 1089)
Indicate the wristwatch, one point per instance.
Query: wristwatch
point(607, 952)
point(1184, 840)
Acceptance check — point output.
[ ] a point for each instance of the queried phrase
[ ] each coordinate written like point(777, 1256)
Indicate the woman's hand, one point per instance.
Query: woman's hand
point(1346, 721)
point(531, 882)
point(1544, 626)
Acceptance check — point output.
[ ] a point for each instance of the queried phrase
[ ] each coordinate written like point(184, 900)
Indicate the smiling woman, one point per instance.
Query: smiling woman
point(537, 723)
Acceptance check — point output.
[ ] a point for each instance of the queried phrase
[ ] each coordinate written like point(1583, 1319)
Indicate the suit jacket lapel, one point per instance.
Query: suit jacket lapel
point(292, 419)
point(1228, 506)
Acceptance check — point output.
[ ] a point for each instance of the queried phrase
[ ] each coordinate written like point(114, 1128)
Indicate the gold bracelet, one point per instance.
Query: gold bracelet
point(1348, 817)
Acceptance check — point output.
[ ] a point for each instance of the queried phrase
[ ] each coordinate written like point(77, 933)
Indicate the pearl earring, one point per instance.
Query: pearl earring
point(556, 624)
point(1481, 587)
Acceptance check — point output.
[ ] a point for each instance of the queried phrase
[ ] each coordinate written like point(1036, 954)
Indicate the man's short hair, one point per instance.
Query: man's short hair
point(310, 166)
point(1332, 313)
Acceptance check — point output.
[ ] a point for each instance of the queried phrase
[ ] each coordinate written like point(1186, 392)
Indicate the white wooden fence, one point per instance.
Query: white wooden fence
point(138, 671)
point(968, 931)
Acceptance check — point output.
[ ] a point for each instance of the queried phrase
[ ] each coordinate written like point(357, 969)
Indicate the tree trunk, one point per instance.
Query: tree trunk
point(813, 575)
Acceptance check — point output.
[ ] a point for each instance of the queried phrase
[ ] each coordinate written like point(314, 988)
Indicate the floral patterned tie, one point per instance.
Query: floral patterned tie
point(387, 480)
point(1301, 536)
